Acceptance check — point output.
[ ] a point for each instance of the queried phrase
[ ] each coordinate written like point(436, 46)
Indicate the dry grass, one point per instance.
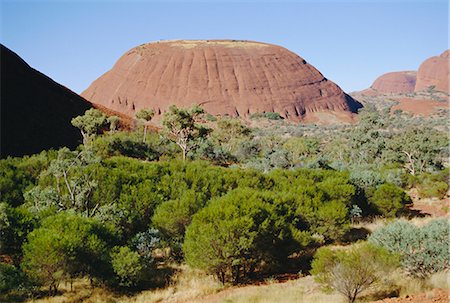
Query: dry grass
point(186, 286)
point(379, 222)
point(300, 290)
point(226, 43)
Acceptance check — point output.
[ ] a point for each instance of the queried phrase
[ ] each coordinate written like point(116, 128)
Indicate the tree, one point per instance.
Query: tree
point(366, 140)
point(181, 125)
point(113, 123)
point(90, 123)
point(419, 149)
point(352, 271)
point(145, 115)
point(389, 199)
point(73, 183)
point(230, 132)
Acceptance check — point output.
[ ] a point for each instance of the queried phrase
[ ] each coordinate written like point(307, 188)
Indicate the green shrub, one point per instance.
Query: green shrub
point(431, 189)
point(389, 199)
point(273, 116)
point(423, 250)
point(127, 265)
point(129, 145)
point(173, 216)
point(352, 271)
point(66, 246)
point(10, 278)
point(233, 234)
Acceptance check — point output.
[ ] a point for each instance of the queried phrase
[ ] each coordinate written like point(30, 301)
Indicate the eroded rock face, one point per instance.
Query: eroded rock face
point(237, 78)
point(434, 72)
point(395, 83)
point(35, 110)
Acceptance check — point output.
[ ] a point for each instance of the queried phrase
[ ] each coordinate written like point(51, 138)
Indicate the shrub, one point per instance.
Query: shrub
point(389, 199)
point(273, 116)
point(127, 265)
point(173, 216)
point(66, 246)
point(10, 278)
point(231, 235)
point(423, 250)
point(430, 189)
point(354, 270)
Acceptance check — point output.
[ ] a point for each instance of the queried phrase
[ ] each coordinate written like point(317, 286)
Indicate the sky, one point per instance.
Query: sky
point(351, 42)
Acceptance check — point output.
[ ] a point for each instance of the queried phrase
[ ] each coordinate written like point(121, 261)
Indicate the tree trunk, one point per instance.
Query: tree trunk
point(145, 132)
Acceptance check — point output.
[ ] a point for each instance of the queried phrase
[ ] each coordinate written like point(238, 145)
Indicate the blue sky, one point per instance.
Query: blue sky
point(351, 42)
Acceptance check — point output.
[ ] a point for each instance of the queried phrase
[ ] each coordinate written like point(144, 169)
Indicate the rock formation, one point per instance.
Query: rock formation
point(434, 73)
point(35, 110)
point(231, 77)
point(395, 82)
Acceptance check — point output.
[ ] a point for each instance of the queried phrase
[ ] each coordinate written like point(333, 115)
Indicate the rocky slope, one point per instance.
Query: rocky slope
point(230, 77)
point(35, 110)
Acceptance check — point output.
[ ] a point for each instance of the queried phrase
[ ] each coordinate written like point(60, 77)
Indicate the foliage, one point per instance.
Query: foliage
point(181, 125)
point(17, 175)
point(73, 186)
point(173, 216)
point(66, 246)
point(16, 223)
point(11, 278)
point(145, 115)
point(113, 123)
point(224, 237)
point(90, 123)
point(389, 199)
point(419, 149)
point(352, 271)
point(273, 116)
point(144, 243)
point(127, 265)
point(131, 145)
point(423, 250)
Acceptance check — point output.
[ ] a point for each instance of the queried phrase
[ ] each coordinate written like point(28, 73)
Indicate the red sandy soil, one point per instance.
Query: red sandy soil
point(436, 296)
point(432, 207)
point(231, 77)
point(422, 107)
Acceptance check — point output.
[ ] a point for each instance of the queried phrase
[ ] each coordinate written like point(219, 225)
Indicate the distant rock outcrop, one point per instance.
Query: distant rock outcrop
point(35, 110)
point(434, 73)
point(226, 77)
point(395, 82)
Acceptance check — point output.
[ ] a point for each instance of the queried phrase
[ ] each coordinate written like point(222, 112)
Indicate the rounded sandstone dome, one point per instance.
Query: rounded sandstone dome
point(231, 77)
point(395, 83)
point(434, 72)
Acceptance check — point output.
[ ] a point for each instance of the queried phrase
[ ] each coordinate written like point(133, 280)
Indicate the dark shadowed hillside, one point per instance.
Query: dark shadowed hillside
point(35, 110)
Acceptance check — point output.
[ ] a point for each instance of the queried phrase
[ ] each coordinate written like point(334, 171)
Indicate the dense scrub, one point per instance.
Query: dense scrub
point(241, 203)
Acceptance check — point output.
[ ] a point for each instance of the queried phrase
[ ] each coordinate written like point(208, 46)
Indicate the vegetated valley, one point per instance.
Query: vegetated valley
point(198, 207)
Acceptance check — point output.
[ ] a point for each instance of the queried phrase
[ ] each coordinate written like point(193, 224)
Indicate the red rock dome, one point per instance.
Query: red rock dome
point(395, 83)
point(231, 77)
point(434, 72)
